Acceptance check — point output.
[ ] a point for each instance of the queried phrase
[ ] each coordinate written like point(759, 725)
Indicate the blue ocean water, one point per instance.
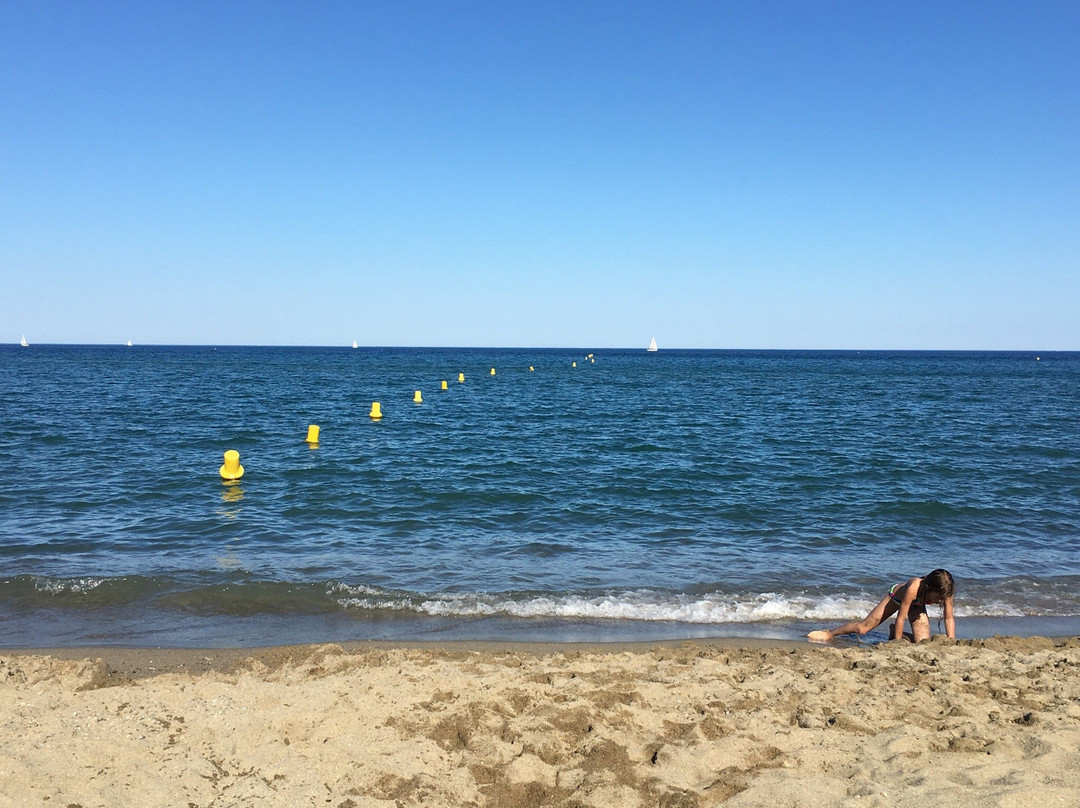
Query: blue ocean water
point(571, 495)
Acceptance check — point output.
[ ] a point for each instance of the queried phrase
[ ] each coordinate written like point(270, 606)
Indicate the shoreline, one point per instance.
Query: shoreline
point(140, 662)
point(736, 723)
point(104, 629)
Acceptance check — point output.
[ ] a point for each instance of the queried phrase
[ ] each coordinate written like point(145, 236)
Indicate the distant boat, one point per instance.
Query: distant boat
point(129, 343)
point(24, 343)
point(354, 344)
point(652, 345)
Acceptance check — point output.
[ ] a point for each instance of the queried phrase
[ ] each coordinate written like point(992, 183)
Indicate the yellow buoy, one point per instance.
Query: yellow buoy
point(232, 470)
point(417, 398)
point(444, 384)
point(312, 434)
point(575, 364)
point(493, 371)
point(376, 411)
point(461, 377)
point(530, 368)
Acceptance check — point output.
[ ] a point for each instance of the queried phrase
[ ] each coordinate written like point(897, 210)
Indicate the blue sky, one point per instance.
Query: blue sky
point(580, 174)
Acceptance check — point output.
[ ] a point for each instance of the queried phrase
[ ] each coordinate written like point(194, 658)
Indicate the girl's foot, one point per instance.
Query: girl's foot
point(819, 636)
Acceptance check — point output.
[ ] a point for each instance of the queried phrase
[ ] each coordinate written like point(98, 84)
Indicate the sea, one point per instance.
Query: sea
point(543, 495)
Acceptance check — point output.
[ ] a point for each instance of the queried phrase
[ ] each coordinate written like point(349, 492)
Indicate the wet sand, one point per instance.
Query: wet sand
point(993, 722)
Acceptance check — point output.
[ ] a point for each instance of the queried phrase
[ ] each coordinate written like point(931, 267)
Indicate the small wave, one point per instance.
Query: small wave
point(62, 586)
point(241, 596)
point(920, 509)
point(648, 605)
point(644, 605)
point(251, 598)
point(80, 592)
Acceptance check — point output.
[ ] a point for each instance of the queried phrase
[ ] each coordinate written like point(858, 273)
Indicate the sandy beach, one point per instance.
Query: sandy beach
point(972, 723)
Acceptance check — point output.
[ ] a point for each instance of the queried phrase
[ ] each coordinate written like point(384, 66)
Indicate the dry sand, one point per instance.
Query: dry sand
point(976, 723)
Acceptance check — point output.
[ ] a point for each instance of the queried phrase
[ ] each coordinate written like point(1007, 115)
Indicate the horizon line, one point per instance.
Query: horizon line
point(643, 349)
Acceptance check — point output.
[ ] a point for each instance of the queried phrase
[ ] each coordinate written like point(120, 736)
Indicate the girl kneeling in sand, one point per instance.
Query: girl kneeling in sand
point(908, 601)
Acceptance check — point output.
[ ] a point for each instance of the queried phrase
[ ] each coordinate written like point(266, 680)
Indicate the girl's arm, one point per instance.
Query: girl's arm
point(911, 591)
point(950, 623)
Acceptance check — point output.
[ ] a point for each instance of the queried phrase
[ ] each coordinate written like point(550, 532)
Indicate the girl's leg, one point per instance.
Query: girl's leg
point(920, 625)
point(878, 615)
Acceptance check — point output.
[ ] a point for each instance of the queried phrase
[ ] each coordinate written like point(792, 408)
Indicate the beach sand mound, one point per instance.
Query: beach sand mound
point(981, 723)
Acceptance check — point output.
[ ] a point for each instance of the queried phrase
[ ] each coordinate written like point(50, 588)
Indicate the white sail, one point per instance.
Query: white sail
point(354, 344)
point(24, 343)
point(652, 345)
point(129, 343)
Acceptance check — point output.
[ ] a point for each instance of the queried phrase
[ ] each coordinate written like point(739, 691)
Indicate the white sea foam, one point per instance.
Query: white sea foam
point(645, 605)
point(59, 586)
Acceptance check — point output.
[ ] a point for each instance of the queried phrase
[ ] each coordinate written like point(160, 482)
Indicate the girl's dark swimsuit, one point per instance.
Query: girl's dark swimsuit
point(897, 600)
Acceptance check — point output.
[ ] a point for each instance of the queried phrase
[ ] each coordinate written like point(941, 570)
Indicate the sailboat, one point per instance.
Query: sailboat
point(129, 343)
point(354, 344)
point(24, 343)
point(652, 345)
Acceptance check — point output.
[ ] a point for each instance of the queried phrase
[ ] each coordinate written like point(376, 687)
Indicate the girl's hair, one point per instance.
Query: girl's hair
point(939, 582)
